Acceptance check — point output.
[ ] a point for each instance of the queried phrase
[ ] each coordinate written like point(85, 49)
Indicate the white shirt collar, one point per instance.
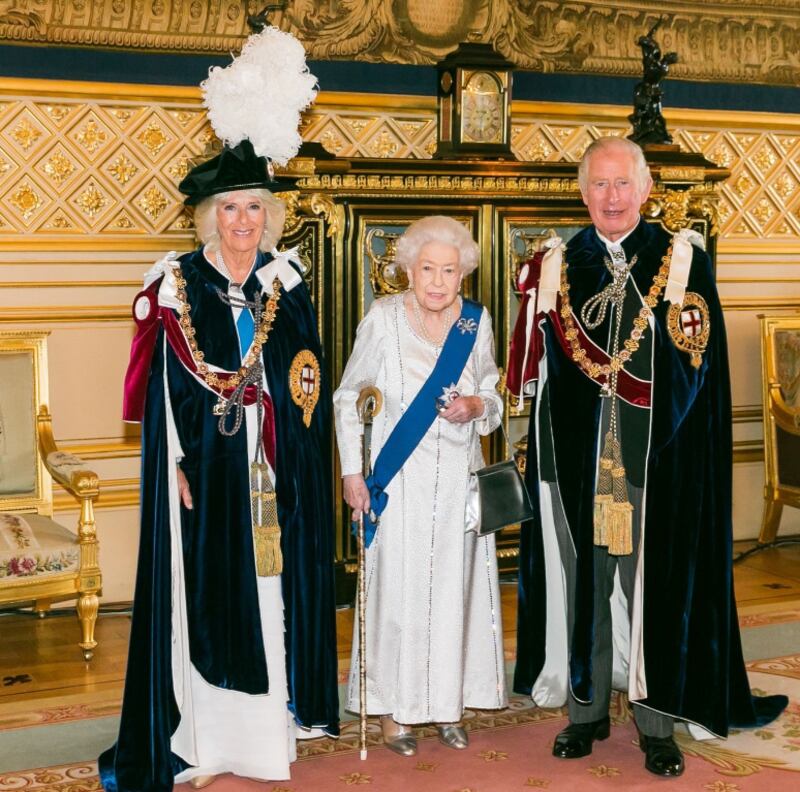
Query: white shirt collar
point(615, 247)
point(617, 243)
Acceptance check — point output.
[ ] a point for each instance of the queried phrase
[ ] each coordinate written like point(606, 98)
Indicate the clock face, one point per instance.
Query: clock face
point(482, 109)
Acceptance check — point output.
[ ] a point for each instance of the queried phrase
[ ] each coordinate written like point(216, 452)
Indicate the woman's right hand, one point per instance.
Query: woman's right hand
point(183, 490)
point(356, 494)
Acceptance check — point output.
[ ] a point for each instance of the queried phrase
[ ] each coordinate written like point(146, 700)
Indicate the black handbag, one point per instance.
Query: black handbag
point(496, 497)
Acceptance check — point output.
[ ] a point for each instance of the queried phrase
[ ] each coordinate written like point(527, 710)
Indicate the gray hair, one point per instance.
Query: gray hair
point(605, 143)
point(437, 228)
point(205, 218)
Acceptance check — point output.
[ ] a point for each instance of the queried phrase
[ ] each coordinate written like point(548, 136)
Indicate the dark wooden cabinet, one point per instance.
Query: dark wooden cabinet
point(347, 215)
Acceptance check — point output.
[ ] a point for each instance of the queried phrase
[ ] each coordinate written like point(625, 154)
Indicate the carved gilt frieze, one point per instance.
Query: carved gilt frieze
point(677, 208)
point(314, 205)
point(718, 40)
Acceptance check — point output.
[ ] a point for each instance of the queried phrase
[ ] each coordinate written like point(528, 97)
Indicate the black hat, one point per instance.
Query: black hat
point(237, 168)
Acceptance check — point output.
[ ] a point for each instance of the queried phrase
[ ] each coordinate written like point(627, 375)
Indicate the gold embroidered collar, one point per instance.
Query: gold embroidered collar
point(631, 344)
point(259, 338)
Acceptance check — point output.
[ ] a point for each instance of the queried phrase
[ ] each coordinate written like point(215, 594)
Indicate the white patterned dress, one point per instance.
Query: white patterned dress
point(434, 634)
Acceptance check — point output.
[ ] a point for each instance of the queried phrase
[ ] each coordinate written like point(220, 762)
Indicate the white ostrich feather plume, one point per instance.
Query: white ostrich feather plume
point(260, 95)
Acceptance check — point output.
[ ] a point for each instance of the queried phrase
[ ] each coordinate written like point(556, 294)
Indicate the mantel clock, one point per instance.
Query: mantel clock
point(474, 104)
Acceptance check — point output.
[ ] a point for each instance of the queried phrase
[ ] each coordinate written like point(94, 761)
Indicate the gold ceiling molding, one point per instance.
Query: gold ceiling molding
point(721, 40)
point(100, 165)
point(65, 314)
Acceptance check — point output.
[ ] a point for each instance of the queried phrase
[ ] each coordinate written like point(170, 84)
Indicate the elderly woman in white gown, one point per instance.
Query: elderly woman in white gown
point(434, 635)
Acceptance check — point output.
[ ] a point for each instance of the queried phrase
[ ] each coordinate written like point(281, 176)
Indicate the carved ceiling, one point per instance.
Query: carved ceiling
point(720, 40)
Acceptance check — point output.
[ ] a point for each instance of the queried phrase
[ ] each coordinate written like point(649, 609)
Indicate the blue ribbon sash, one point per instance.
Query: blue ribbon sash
point(421, 413)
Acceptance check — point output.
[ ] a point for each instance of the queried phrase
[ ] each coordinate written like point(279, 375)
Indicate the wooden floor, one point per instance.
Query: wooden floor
point(42, 669)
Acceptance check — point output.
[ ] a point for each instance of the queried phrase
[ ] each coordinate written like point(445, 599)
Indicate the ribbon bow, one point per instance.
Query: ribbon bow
point(681, 263)
point(168, 291)
point(378, 500)
point(281, 268)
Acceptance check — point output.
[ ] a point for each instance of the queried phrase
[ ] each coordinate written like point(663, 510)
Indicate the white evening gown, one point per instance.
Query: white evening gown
point(434, 634)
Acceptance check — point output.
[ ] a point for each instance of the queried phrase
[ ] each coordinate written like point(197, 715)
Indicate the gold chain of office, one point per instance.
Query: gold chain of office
point(259, 338)
point(617, 361)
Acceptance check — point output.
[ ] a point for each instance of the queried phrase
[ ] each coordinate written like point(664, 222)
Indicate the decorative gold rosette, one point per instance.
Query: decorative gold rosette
point(304, 382)
point(689, 326)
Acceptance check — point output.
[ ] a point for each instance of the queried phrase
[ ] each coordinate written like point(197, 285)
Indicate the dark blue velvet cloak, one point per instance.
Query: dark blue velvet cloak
point(692, 648)
point(225, 639)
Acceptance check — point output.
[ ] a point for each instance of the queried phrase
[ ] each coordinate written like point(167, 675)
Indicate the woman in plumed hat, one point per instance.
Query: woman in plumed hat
point(233, 645)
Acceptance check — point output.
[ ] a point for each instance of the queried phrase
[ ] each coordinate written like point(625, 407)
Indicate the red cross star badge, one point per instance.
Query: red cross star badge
point(689, 326)
point(304, 383)
point(691, 322)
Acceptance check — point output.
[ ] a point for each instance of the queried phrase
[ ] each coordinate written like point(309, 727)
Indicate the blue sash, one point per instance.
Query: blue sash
point(419, 416)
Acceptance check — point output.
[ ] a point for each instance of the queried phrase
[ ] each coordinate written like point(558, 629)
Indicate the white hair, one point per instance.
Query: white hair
point(603, 144)
point(437, 228)
point(205, 218)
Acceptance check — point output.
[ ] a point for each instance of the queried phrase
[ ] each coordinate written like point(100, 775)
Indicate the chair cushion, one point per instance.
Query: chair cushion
point(35, 546)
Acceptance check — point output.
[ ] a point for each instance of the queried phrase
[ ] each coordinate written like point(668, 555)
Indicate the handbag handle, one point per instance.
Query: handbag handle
point(508, 443)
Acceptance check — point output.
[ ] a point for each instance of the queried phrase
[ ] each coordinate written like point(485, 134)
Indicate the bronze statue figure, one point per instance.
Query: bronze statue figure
point(648, 123)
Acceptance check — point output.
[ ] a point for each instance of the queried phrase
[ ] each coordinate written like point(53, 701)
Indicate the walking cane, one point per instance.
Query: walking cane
point(368, 404)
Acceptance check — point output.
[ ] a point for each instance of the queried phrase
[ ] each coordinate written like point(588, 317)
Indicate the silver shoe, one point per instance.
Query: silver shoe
point(397, 737)
point(198, 782)
point(453, 735)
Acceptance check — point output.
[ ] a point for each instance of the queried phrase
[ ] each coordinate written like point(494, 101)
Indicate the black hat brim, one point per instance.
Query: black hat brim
point(236, 168)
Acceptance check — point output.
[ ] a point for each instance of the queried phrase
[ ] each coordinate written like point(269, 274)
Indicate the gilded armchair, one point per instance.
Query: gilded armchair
point(41, 562)
point(780, 363)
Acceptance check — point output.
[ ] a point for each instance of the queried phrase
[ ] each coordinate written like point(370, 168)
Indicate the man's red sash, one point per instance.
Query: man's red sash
point(632, 389)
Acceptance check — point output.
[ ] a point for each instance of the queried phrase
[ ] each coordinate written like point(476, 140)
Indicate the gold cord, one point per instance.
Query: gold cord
point(620, 358)
point(613, 511)
point(259, 339)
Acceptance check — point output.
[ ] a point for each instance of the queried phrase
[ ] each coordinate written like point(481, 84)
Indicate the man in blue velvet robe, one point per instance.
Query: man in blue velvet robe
point(625, 573)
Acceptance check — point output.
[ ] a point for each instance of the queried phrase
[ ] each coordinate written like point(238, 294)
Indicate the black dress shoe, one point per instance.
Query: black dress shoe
point(661, 755)
point(576, 740)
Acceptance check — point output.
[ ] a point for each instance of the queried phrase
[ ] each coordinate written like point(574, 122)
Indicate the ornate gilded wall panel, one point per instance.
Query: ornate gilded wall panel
point(100, 167)
point(721, 40)
point(76, 167)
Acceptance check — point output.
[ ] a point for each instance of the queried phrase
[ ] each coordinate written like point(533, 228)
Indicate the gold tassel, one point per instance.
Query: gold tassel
point(269, 559)
point(266, 530)
point(620, 516)
point(620, 529)
point(603, 498)
point(601, 504)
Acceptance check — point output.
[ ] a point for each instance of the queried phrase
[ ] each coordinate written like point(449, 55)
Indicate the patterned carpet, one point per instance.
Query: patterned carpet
point(511, 750)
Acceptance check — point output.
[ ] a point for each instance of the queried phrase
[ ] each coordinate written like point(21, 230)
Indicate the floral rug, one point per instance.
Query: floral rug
point(509, 750)
point(777, 745)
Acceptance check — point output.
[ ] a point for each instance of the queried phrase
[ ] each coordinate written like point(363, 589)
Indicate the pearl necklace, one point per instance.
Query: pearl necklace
point(223, 268)
point(421, 323)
